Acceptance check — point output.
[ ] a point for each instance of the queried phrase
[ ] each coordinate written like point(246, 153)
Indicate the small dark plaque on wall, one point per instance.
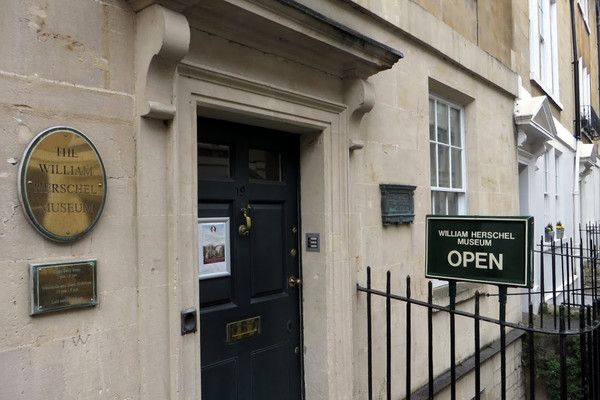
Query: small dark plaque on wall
point(62, 286)
point(313, 242)
point(397, 204)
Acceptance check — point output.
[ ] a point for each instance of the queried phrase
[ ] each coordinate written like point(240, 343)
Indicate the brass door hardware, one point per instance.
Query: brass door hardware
point(243, 329)
point(244, 229)
point(294, 281)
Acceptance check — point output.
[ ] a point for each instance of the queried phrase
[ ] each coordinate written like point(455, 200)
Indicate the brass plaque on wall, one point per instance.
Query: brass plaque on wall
point(62, 184)
point(63, 286)
point(242, 329)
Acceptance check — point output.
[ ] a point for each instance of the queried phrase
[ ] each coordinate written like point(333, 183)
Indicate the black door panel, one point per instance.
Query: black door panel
point(240, 167)
point(221, 380)
point(267, 244)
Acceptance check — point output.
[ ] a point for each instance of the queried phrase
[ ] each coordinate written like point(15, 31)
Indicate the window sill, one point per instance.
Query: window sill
point(565, 240)
point(465, 291)
point(548, 93)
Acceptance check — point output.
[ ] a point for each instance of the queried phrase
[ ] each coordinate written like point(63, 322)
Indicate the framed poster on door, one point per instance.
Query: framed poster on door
point(213, 247)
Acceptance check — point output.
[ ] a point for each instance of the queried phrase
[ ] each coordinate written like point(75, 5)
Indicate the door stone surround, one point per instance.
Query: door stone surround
point(328, 280)
point(171, 92)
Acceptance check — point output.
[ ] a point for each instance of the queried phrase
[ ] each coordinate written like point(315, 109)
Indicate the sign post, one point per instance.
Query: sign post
point(490, 250)
point(502, 316)
point(452, 294)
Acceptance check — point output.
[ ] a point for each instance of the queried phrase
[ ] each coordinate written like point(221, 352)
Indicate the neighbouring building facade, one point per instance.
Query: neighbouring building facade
point(558, 168)
point(244, 143)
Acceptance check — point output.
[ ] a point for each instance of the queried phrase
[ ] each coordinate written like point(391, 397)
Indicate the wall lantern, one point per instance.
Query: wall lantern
point(397, 204)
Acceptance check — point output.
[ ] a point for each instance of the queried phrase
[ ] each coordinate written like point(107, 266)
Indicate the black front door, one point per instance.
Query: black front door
point(249, 318)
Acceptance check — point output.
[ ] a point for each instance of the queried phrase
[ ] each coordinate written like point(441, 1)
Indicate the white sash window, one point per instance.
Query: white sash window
point(447, 157)
point(543, 45)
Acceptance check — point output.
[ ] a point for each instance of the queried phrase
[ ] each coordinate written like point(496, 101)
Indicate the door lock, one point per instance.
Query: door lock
point(294, 281)
point(244, 229)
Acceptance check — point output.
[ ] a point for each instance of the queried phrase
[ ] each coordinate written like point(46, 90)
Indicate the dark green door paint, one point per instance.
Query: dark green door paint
point(241, 166)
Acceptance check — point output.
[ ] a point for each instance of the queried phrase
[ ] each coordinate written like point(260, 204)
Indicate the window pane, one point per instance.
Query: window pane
point(264, 165)
point(442, 123)
point(446, 157)
point(455, 127)
point(546, 168)
point(432, 165)
point(439, 202)
point(431, 119)
point(556, 174)
point(456, 168)
point(213, 161)
point(443, 166)
point(452, 203)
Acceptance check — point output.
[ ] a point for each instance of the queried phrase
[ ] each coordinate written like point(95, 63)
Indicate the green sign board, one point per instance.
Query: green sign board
point(494, 250)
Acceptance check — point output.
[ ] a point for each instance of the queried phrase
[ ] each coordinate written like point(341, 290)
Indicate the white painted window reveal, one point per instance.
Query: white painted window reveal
point(584, 7)
point(585, 85)
point(557, 209)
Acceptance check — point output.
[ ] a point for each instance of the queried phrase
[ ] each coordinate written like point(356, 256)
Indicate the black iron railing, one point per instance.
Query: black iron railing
point(575, 313)
point(590, 122)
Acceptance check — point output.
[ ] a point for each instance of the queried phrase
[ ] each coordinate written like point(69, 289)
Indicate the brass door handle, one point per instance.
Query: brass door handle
point(244, 229)
point(294, 281)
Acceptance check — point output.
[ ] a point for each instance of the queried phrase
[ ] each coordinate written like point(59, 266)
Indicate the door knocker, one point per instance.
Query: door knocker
point(244, 229)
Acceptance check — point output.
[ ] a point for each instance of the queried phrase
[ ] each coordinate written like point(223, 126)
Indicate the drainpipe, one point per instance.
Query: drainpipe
point(597, 3)
point(576, 195)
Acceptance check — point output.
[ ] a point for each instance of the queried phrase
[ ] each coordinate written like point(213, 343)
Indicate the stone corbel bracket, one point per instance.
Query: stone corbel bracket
point(162, 40)
point(360, 97)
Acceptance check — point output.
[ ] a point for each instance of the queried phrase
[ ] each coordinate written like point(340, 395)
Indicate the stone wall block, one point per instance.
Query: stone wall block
point(85, 46)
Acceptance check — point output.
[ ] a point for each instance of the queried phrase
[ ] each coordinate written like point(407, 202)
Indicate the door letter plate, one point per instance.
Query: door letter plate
point(242, 329)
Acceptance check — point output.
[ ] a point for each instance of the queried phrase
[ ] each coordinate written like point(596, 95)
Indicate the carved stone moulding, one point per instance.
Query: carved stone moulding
point(175, 5)
point(588, 155)
point(295, 32)
point(162, 40)
point(286, 28)
point(535, 125)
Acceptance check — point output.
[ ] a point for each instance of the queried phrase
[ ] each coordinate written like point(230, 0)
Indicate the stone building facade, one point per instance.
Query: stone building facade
point(357, 91)
point(558, 169)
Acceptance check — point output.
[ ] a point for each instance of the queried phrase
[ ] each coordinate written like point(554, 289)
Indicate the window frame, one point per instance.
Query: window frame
point(556, 172)
point(462, 192)
point(585, 83)
point(543, 47)
point(557, 209)
point(546, 172)
point(546, 186)
point(584, 7)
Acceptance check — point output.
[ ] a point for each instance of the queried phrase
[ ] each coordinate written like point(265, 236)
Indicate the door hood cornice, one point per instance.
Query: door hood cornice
point(535, 124)
point(290, 30)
